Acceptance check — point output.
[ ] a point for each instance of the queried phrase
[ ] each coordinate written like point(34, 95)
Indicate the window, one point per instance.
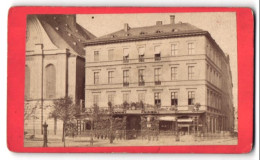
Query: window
point(126, 97)
point(210, 75)
point(141, 97)
point(157, 73)
point(208, 72)
point(126, 78)
point(174, 49)
point(211, 99)
point(50, 89)
point(96, 56)
point(190, 72)
point(111, 98)
point(174, 98)
point(191, 98)
point(141, 52)
point(110, 76)
point(208, 98)
point(174, 73)
point(141, 77)
point(110, 54)
point(157, 53)
point(126, 55)
point(191, 48)
point(27, 83)
point(157, 98)
point(95, 100)
point(96, 77)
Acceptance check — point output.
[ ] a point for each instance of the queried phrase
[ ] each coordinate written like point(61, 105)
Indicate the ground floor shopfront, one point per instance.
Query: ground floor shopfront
point(141, 125)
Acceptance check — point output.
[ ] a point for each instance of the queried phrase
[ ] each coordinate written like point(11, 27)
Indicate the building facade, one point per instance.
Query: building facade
point(54, 67)
point(177, 68)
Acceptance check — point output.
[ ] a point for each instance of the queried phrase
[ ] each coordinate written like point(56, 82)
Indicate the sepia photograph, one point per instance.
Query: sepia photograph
point(141, 79)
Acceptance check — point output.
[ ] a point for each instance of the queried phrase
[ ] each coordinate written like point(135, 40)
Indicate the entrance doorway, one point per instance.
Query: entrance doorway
point(133, 127)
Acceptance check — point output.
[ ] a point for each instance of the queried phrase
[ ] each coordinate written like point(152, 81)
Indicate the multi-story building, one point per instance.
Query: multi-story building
point(177, 68)
point(54, 67)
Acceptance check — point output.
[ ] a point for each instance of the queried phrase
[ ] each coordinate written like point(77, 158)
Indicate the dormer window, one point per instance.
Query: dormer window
point(157, 53)
point(158, 31)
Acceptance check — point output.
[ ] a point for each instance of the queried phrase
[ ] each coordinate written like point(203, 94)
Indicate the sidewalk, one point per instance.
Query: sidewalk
point(162, 141)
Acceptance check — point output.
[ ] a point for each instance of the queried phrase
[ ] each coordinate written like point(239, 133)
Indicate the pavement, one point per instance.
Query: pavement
point(162, 141)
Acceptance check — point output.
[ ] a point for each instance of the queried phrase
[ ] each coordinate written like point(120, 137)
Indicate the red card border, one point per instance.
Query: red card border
point(16, 69)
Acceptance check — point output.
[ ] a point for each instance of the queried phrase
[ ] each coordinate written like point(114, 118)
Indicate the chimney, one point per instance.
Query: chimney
point(158, 23)
point(126, 27)
point(172, 19)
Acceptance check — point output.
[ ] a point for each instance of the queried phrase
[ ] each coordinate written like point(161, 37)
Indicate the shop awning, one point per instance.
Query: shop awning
point(167, 118)
point(185, 120)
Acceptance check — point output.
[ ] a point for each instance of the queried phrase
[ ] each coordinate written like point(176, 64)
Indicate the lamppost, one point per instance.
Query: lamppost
point(42, 53)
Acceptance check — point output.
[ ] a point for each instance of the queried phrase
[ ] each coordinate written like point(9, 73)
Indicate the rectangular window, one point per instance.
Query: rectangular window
point(157, 98)
point(174, 49)
point(141, 97)
point(190, 72)
point(110, 76)
point(174, 98)
point(157, 73)
point(96, 56)
point(126, 55)
point(141, 52)
point(157, 53)
point(208, 98)
point(174, 73)
point(191, 98)
point(110, 54)
point(126, 77)
point(141, 77)
point(95, 100)
point(111, 98)
point(191, 48)
point(126, 97)
point(96, 77)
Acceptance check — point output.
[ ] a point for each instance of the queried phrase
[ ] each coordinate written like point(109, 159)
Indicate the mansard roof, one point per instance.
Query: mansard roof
point(149, 32)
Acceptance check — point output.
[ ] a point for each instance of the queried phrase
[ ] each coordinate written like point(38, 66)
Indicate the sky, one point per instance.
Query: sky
point(221, 26)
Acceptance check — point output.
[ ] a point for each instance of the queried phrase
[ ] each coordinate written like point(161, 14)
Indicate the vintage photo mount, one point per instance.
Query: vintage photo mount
point(16, 70)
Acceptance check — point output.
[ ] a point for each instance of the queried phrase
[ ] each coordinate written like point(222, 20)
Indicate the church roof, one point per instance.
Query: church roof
point(65, 27)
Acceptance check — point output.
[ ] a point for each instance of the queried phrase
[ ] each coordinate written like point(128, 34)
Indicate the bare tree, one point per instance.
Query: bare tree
point(30, 112)
point(64, 110)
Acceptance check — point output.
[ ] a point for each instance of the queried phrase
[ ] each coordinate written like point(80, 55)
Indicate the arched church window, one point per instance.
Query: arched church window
point(50, 88)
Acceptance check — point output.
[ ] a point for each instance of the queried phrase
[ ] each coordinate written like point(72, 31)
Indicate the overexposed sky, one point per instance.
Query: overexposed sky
point(221, 26)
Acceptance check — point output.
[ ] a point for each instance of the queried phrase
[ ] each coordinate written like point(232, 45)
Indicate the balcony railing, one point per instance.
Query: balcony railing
point(125, 60)
point(126, 84)
point(157, 82)
point(141, 83)
point(141, 59)
point(157, 58)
